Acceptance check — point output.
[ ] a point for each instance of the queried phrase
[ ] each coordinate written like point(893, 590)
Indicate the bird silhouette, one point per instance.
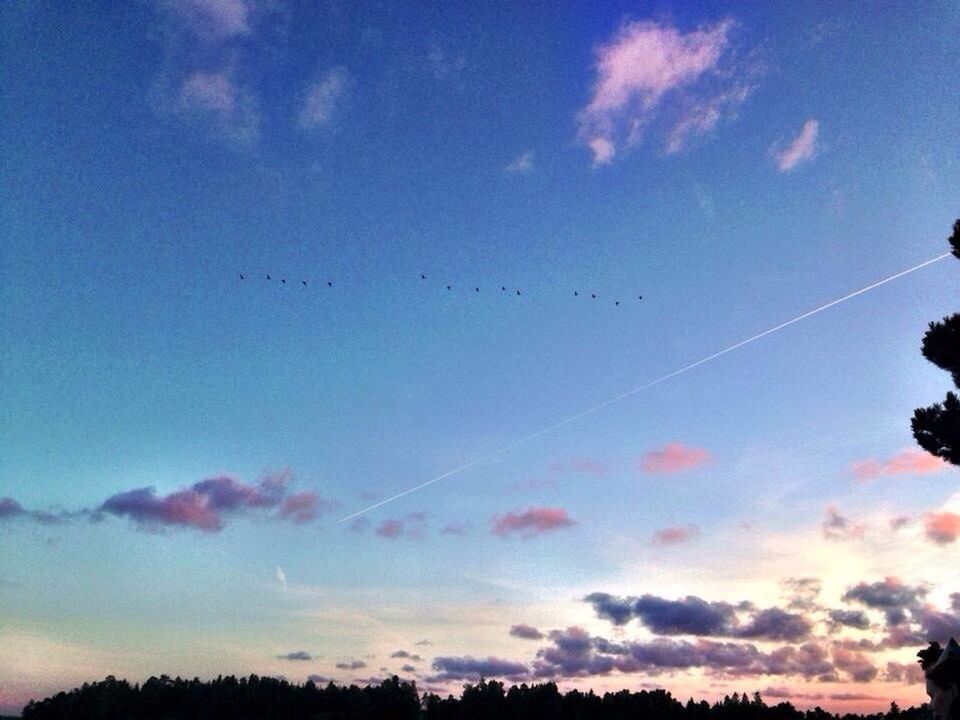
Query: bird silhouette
point(449, 287)
point(242, 277)
point(617, 303)
point(640, 297)
point(503, 287)
point(476, 289)
point(422, 276)
point(283, 280)
point(518, 292)
point(268, 277)
point(576, 294)
point(304, 282)
point(329, 284)
point(593, 295)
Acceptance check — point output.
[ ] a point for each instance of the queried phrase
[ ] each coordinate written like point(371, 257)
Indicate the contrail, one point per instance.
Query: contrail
point(641, 388)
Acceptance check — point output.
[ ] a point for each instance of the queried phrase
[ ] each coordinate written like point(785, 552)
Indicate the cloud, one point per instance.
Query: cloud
point(801, 149)
point(213, 19)
point(907, 462)
point(296, 655)
point(352, 665)
point(675, 535)
point(454, 529)
point(857, 665)
point(469, 668)
point(525, 632)
point(522, 164)
point(531, 522)
point(207, 504)
point(849, 618)
point(803, 592)
point(692, 615)
point(10, 508)
point(889, 594)
point(941, 528)
point(644, 65)
point(405, 654)
point(411, 526)
point(319, 679)
point(837, 527)
point(423, 642)
point(324, 96)
point(442, 66)
point(281, 577)
point(408, 668)
point(673, 458)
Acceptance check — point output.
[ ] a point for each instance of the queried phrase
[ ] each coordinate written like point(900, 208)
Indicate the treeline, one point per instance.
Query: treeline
point(267, 698)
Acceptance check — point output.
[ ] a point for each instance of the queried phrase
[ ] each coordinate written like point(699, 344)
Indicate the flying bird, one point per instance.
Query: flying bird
point(617, 303)
point(640, 297)
point(576, 294)
point(593, 295)
point(283, 280)
point(503, 287)
point(242, 277)
point(449, 287)
point(422, 276)
point(304, 282)
point(268, 276)
point(518, 292)
point(476, 289)
point(329, 284)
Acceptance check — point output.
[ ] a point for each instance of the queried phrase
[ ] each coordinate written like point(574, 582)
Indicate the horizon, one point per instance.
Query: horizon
point(576, 344)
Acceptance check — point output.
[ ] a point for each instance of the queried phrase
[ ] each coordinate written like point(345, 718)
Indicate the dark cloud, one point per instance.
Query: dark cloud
point(423, 642)
point(469, 668)
point(411, 526)
point(936, 625)
point(207, 504)
point(10, 509)
point(849, 618)
point(694, 616)
point(408, 668)
point(802, 592)
point(297, 655)
point(531, 522)
point(775, 624)
point(837, 527)
point(526, 632)
point(857, 665)
point(908, 673)
point(319, 679)
point(404, 654)
point(889, 594)
point(352, 665)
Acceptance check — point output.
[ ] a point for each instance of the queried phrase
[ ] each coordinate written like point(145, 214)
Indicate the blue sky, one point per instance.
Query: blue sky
point(734, 165)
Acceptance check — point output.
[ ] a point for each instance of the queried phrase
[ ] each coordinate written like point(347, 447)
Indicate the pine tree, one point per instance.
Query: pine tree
point(937, 427)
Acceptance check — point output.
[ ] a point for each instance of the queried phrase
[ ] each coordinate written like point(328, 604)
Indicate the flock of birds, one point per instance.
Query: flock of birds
point(476, 289)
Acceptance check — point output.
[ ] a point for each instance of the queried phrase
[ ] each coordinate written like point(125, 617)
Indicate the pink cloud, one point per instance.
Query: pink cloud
point(801, 149)
point(390, 529)
point(531, 522)
point(907, 462)
point(411, 525)
point(644, 62)
point(941, 527)
point(673, 458)
point(675, 535)
point(303, 506)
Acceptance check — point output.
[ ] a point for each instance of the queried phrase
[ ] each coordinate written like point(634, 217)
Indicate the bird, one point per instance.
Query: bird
point(640, 297)
point(617, 303)
point(304, 282)
point(242, 277)
point(268, 276)
point(449, 287)
point(476, 289)
point(593, 295)
point(576, 294)
point(283, 280)
point(329, 284)
point(422, 276)
point(518, 292)
point(503, 287)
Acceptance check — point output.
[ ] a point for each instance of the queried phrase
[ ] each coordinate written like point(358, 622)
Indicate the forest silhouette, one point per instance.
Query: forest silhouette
point(268, 698)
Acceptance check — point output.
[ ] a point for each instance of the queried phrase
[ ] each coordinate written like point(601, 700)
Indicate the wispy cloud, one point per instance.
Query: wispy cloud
point(323, 98)
point(525, 632)
point(531, 522)
point(281, 577)
point(801, 149)
point(298, 655)
point(673, 458)
point(522, 164)
point(839, 527)
point(644, 63)
point(675, 535)
point(907, 462)
point(214, 20)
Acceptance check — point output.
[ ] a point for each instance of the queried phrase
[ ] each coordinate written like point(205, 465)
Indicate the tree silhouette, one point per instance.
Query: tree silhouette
point(937, 427)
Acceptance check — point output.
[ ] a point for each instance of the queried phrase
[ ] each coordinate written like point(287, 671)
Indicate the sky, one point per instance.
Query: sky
point(180, 437)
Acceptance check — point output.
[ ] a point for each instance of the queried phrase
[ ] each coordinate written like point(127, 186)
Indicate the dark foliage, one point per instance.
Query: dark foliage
point(929, 655)
point(937, 427)
point(265, 698)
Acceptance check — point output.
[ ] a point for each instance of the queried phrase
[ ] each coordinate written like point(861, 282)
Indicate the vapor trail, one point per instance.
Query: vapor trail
point(641, 388)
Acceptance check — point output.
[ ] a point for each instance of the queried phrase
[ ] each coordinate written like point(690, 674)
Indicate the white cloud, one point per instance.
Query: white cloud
point(323, 98)
point(523, 163)
point(803, 147)
point(213, 19)
point(216, 97)
point(647, 62)
point(281, 577)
